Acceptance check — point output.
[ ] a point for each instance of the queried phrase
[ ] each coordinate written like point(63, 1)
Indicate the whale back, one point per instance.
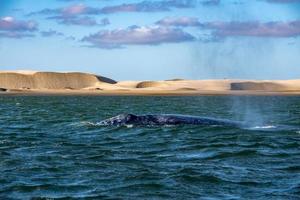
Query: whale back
point(121, 119)
point(164, 119)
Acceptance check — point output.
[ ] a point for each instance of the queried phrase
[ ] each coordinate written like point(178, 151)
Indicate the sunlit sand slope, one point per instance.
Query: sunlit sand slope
point(50, 80)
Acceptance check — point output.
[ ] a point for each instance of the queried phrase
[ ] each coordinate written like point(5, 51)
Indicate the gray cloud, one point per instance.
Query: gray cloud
point(69, 11)
point(283, 1)
point(51, 33)
point(17, 29)
point(144, 6)
point(254, 29)
point(179, 21)
point(136, 35)
point(149, 6)
point(15, 35)
point(72, 15)
point(211, 2)
point(11, 24)
point(81, 21)
point(220, 29)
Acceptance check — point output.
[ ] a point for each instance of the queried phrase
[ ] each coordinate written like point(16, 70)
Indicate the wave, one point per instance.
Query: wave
point(272, 128)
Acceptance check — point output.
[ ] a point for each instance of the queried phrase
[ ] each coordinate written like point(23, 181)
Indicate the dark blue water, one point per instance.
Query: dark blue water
point(49, 148)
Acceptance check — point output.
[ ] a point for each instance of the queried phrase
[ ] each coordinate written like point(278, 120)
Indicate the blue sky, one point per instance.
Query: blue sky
point(155, 39)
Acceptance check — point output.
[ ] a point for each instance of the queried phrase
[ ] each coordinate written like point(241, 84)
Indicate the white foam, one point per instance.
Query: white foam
point(265, 127)
point(129, 126)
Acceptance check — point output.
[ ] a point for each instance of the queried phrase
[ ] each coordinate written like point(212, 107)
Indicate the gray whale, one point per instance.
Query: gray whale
point(164, 119)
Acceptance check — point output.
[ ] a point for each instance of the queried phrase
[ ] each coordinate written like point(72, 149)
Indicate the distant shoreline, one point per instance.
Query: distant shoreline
point(31, 83)
point(146, 93)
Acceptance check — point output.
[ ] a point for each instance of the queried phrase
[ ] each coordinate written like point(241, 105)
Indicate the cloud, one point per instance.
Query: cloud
point(179, 21)
point(283, 1)
point(211, 2)
point(81, 21)
point(220, 30)
point(11, 24)
point(15, 35)
point(68, 12)
point(144, 6)
point(156, 6)
point(78, 10)
point(79, 0)
point(149, 6)
point(71, 38)
point(77, 14)
point(51, 33)
point(72, 15)
point(136, 35)
point(254, 29)
point(73, 10)
point(12, 28)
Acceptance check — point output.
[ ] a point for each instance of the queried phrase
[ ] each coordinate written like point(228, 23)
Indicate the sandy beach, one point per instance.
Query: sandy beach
point(28, 82)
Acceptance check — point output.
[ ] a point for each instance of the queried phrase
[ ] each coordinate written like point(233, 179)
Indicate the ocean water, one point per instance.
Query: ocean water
point(51, 148)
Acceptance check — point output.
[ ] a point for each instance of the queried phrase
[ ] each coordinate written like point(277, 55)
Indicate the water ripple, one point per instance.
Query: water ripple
point(49, 148)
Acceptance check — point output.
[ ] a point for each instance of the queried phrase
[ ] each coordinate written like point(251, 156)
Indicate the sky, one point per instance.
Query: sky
point(153, 39)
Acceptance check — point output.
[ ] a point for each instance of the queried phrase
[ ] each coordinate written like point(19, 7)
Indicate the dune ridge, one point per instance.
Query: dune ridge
point(152, 84)
point(276, 86)
point(51, 82)
point(264, 86)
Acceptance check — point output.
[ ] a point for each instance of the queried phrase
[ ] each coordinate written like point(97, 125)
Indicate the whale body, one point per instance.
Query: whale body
point(164, 119)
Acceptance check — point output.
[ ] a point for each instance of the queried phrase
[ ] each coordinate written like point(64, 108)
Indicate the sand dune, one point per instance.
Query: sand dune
point(19, 71)
point(186, 89)
point(266, 86)
point(291, 84)
point(152, 84)
point(50, 80)
point(288, 85)
point(127, 84)
point(191, 84)
point(3, 90)
point(83, 83)
point(175, 79)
